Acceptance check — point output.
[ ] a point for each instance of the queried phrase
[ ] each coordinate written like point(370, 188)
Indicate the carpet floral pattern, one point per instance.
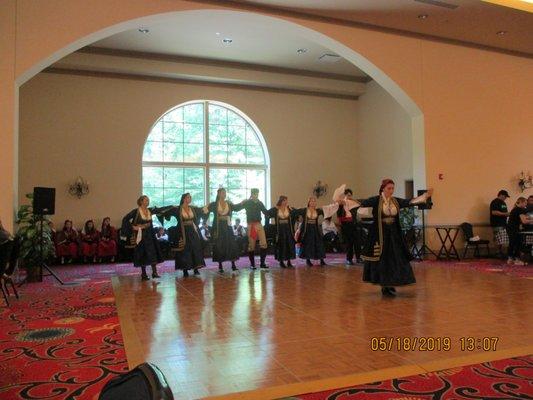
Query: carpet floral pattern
point(60, 342)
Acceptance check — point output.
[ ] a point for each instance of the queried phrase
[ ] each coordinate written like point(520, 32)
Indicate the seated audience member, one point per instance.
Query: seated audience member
point(529, 227)
point(89, 241)
point(298, 234)
point(163, 239)
point(67, 243)
point(107, 245)
point(528, 240)
point(330, 232)
point(498, 220)
point(161, 235)
point(240, 233)
point(517, 218)
point(204, 232)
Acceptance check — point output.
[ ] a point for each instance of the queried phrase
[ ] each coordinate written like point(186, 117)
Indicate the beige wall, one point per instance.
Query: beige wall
point(7, 112)
point(384, 142)
point(96, 128)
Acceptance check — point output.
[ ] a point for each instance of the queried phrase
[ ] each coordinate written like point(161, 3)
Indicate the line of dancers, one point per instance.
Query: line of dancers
point(386, 256)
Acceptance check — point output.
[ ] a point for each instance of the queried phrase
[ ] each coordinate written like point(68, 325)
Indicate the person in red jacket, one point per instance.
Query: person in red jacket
point(89, 241)
point(107, 246)
point(67, 243)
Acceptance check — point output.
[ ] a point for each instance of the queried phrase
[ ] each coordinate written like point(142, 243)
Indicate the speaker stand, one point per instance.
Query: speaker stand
point(42, 264)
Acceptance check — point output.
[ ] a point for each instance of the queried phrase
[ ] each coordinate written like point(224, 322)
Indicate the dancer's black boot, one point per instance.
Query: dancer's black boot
point(252, 259)
point(263, 254)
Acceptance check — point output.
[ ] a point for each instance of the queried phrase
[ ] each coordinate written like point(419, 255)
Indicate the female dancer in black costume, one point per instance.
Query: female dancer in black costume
point(190, 253)
point(284, 217)
point(224, 241)
point(386, 256)
point(137, 226)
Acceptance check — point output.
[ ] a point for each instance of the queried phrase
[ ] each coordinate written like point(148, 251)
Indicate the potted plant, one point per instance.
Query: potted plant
point(34, 246)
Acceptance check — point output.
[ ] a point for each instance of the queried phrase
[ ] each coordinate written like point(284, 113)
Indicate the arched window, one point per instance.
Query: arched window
point(200, 146)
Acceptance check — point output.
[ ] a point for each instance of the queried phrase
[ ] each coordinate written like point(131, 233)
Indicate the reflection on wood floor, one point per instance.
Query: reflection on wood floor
point(218, 334)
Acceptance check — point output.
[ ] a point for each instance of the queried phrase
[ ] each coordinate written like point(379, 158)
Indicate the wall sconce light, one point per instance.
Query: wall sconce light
point(79, 188)
point(525, 181)
point(320, 189)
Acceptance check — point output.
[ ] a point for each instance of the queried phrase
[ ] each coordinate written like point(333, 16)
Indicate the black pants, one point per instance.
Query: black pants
point(351, 235)
point(514, 243)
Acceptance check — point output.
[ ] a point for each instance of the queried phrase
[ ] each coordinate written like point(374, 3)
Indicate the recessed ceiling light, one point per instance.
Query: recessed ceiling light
point(218, 33)
point(423, 16)
point(301, 51)
point(227, 40)
point(501, 33)
point(144, 30)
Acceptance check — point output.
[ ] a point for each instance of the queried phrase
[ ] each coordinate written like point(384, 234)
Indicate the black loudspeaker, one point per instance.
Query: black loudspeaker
point(44, 201)
point(428, 205)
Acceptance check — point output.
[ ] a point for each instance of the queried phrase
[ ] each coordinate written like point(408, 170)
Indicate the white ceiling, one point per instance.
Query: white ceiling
point(472, 21)
point(255, 41)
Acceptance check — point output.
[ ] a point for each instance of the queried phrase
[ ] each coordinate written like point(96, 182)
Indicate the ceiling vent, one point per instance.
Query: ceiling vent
point(438, 4)
point(329, 58)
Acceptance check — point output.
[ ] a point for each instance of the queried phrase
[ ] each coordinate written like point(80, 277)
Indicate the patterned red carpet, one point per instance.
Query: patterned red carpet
point(60, 342)
point(503, 379)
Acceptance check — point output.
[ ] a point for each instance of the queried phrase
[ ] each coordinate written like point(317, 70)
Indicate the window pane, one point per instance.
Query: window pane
point(156, 134)
point(172, 196)
point(254, 155)
point(236, 135)
point(218, 134)
point(256, 179)
point(149, 191)
point(152, 177)
point(193, 152)
point(156, 198)
point(194, 177)
point(153, 151)
point(237, 195)
point(217, 115)
point(173, 152)
point(218, 153)
point(234, 119)
point(251, 137)
point(194, 113)
point(217, 177)
point(176, 115)
point(173, 178)
point(237, 154)
point(197, 195)
point(193, 133)
point(173, 132)
point(236, 179)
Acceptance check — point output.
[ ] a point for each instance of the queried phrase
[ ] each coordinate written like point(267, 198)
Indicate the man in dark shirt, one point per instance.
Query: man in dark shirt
point(517, 217)
point(254, 207)
point(498, 220)
point(351, 232)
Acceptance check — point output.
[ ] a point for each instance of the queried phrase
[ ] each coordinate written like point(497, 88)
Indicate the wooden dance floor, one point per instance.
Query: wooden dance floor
point(282, 332)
